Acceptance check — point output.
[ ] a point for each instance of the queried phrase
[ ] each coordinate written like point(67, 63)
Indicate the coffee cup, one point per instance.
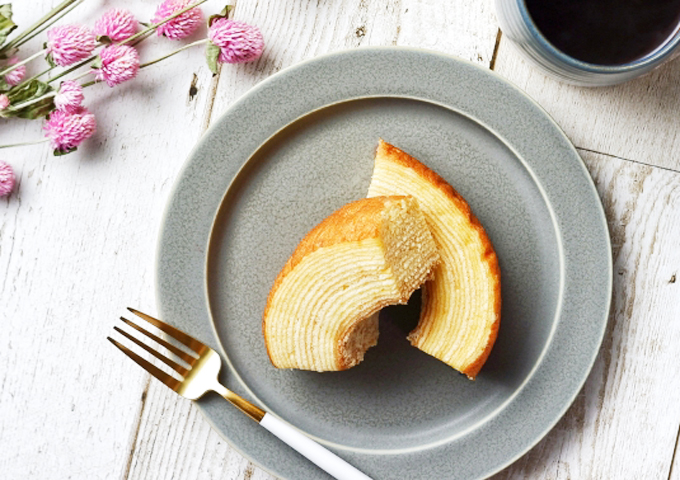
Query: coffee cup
point(593, 42)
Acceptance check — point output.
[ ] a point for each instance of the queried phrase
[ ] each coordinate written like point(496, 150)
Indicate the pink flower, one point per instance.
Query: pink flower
point(181, 26)
point(4, 102)
point(69, 44)
point(68, 130)
point(17, 75)
point(117, 24)
point(238, 41)
point(119, 63)
point(70, 97)
point(7, 179)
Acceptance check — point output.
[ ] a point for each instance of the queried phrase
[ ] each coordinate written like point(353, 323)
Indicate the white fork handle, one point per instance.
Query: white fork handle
point(323, 458)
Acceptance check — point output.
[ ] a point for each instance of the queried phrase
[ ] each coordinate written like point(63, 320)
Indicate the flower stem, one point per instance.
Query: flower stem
point(49, 24)
point(139, 36)
point(47, 95)
point(73, 68)
point(84, 74)
point(92, 82)
point(198, 42)
point(142, 38)
point(37, 75)
point(14, 108)
point(23, 62)
point(25, 143)
point(55, 11)
point(156, 25)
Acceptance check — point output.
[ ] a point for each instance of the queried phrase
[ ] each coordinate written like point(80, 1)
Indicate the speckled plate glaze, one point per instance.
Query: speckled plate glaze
point(300, 145)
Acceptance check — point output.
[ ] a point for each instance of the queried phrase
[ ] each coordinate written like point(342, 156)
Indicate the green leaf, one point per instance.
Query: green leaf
point(48, 57)
point(37, 110)
point(223, 14)
point(61, 153)
point(211, 54)
point(6, 23)
point(27, 92)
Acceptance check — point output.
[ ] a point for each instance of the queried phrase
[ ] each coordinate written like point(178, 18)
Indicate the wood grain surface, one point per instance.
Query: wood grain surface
point(624, 423)
point(78, 238)
point(77, 245)
point(637, 120)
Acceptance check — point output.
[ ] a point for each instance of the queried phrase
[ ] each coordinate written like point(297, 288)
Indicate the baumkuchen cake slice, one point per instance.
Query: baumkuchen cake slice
point(461, 305)
point(321, 313)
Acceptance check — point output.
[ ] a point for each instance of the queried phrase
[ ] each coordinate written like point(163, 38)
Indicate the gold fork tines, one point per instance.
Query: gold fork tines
point(178, 335)
point(203, 363)
point(180, 353)
point(148, 366)
point(175, 366)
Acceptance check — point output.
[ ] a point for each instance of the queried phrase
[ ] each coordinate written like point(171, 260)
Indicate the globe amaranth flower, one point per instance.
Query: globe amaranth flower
point(70, 97)
point(17, 75)
point(7, 179)
point(118, 24)
point(68, 130)
point(69, 44)
point(238, 41)
point(181, 26)
point(4, 102)
point(117, 64)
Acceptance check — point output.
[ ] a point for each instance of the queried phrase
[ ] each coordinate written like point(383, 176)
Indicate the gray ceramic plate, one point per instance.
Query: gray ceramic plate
point(300, 145)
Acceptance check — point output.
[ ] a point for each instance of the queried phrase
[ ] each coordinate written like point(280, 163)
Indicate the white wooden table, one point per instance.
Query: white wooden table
point(78, 238)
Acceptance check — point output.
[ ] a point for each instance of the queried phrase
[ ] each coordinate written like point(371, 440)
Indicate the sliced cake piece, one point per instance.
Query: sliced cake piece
point(461, 306)
point(321, 313)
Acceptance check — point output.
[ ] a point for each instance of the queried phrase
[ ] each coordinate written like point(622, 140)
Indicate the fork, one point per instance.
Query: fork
point(201, 377)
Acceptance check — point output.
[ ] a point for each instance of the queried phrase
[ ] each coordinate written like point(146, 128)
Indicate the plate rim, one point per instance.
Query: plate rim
point(560, 251)
point(265, 83)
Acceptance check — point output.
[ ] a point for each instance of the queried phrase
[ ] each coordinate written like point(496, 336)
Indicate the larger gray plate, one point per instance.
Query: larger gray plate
point(300, 145)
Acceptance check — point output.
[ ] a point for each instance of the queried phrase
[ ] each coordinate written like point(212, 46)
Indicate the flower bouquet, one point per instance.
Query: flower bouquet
point(78, 57)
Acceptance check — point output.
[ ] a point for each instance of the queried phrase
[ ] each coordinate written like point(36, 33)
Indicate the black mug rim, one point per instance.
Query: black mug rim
point(658, 55)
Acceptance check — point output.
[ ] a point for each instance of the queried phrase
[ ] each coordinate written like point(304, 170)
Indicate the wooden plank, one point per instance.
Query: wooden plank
point(635, 121)
point(77, 243)
point(462, 28)
point(625, 421)
point(296, 31)
point(175, 441)
point(675, 468)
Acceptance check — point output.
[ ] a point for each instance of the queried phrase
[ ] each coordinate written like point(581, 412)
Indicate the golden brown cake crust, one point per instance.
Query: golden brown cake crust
point(489, 255)
point(342, 227)
point(332, 231)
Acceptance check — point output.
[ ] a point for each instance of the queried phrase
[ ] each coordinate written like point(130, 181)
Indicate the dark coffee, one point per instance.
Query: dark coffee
point(606, 32)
